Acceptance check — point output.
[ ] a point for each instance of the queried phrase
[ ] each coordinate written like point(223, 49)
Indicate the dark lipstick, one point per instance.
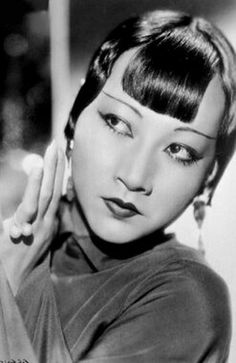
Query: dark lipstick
point(120, 208)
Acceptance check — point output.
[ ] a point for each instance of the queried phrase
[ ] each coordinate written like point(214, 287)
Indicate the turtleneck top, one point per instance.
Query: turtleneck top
point(93, 302)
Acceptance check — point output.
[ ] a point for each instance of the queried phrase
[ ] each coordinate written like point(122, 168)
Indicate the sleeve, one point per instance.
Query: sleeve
point(14, 342)
point(181, 316)
point(30, 330)
point(38, 308)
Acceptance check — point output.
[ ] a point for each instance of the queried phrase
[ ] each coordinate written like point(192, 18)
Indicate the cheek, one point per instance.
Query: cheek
point(95, 155)
point(176, 189)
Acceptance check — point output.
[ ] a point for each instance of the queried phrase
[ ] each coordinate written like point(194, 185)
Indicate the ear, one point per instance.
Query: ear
point(212, 173)
point(67, 172)
point(69, 148)
point(209, 183)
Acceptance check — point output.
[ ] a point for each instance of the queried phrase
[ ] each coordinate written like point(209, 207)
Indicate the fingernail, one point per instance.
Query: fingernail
point(60, 151)
point(37, 171)
point(53, 144)
point(51, 148)
point(37, 168)
point(39, 163)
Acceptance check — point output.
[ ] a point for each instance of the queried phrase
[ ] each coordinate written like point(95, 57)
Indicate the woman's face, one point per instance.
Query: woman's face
point(126, 153)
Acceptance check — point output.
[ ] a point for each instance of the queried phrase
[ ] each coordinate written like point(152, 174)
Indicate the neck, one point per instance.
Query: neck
point(79, 224)
point(119, 251)
point(130, 249)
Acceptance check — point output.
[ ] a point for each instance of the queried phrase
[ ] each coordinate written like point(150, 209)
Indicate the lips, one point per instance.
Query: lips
point(121, 209)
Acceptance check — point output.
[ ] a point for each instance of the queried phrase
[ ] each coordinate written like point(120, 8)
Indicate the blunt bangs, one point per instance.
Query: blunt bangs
point(176, 57)
point(171, 74)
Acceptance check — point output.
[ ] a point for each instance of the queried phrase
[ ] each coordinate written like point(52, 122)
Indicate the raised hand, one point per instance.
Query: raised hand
point(26, 236)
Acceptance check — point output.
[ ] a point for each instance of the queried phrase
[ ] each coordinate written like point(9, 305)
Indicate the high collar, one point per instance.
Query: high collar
point(78, 250)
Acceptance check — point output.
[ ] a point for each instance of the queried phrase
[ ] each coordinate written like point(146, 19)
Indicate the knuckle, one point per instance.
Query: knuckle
point(29, 210)
point(56, 197)
point(46, 197)
point(19, 208)
point(48, 222)
point(37, 176)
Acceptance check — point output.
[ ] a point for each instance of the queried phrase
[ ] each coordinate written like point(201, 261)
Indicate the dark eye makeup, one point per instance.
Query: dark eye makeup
point(116, 124)
point(180, 153)
point(183, 154)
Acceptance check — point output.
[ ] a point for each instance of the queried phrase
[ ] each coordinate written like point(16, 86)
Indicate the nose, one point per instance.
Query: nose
point(136, 172)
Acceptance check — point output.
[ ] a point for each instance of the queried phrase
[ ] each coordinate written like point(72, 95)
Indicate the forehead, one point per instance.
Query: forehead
point(210, 112)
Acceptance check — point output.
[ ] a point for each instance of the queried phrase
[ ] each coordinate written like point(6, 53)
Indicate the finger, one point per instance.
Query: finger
point(27, 210)
point(1, 219)
point(46, 192)
point(58, 183)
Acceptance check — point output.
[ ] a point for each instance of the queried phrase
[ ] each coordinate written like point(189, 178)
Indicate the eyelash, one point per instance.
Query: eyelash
point(193, 156)
point(109, 116)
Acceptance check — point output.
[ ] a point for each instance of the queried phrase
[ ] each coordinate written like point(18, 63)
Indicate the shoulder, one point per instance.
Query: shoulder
point(186, 299)
point(177, 310)
point(183, 272)
point(181, 263)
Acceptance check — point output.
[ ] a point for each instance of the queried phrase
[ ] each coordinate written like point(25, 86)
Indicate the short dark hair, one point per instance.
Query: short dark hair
point(177, 56)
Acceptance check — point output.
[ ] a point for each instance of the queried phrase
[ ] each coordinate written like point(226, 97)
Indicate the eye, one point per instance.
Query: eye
point(116, 124)
point(183, 154)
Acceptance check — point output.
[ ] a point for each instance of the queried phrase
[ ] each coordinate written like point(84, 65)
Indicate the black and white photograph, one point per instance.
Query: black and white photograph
point(117, 181)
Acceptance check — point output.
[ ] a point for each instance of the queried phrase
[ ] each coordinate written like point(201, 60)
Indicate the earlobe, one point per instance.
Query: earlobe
point(69, 148)
point(208, 186)
point(212, 173)
point(202, 200)
point(68, 189)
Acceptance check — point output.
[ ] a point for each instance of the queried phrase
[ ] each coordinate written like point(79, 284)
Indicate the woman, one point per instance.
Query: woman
point(151, 131)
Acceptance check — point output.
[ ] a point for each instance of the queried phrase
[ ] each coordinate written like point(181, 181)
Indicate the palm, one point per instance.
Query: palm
point(20, 251)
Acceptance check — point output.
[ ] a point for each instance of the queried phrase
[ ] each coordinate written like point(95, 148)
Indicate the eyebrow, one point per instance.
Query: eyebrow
point(186, 128)
point(124, 103)
point(190, 129)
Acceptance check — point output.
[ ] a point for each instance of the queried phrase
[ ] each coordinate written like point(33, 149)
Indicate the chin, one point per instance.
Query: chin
point(119, 232)
point(114, 232)
point(113, 237)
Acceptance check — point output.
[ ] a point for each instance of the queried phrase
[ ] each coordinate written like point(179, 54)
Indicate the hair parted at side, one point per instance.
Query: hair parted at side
point(177, 56)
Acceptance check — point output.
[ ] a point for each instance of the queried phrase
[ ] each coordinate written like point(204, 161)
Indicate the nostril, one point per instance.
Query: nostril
point(148, 191)
point(135, 187)
point(139, 189)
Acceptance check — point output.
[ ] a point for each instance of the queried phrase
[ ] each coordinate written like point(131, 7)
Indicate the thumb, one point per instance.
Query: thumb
point(1, 219)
